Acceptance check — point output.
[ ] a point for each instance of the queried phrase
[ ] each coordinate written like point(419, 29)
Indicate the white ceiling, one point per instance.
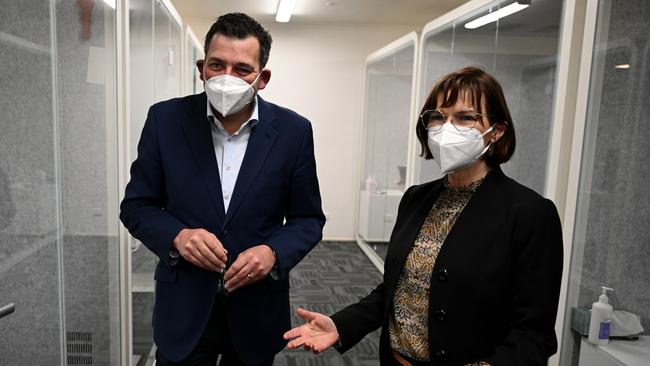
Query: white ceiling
point(408, 12)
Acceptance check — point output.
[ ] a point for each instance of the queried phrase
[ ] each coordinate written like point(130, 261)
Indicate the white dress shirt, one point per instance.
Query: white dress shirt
point(230, 149)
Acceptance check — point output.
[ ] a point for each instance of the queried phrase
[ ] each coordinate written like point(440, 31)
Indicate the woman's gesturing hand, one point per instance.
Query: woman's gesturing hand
point(317, 334)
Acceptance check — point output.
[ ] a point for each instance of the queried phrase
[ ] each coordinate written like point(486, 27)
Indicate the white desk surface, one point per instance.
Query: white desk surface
point(629, 353)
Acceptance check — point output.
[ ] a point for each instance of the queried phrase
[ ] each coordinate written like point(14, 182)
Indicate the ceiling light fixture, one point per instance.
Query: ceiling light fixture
point(285, 9)
point(496, 15)
point(622, 66)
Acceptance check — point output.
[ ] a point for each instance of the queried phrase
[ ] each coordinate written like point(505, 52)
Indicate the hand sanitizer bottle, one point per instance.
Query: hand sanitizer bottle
point(601, 319)
point(371, 185)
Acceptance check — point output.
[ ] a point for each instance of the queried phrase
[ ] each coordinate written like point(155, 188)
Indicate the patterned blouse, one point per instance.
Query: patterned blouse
point(408, 326)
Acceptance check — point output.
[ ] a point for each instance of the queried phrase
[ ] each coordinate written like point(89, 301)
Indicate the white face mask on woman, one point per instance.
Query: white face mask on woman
point(453, 149)
point(229, 94)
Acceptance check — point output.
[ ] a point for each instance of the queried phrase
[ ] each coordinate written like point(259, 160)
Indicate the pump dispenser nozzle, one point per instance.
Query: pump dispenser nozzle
point(603, 298)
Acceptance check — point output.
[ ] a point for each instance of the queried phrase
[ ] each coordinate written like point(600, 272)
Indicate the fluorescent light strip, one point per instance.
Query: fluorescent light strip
point(622, 66)
point(496, 15)
point(285, 8)
point(110, 3)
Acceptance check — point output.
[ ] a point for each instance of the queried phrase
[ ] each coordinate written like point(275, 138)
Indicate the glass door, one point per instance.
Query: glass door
point(58, 183)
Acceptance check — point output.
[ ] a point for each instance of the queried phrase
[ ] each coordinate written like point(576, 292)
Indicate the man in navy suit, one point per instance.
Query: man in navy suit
point(224, 191)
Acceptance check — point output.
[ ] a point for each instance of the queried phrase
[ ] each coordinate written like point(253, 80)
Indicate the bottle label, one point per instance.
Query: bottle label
point(603, 333)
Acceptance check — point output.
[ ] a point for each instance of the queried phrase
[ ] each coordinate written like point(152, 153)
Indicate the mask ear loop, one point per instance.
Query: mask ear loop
point(488, 131)
point(490, 149)
point(487, 149)
point(257, 78)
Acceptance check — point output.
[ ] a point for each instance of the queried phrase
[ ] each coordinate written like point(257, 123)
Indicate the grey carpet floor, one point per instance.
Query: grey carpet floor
point(332, 276)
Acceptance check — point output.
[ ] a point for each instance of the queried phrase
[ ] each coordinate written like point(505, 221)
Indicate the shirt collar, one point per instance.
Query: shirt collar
point(252, 120)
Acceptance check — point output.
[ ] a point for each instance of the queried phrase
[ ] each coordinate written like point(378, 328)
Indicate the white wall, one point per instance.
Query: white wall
point(317, 70)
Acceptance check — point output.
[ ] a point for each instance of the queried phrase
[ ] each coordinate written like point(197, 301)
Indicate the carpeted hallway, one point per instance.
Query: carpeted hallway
point(332, 276)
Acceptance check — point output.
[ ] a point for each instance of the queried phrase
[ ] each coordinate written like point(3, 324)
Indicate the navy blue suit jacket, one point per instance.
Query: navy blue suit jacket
point(175, 184)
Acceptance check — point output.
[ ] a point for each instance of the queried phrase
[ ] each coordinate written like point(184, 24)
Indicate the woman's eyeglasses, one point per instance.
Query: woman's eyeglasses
point(432, 119)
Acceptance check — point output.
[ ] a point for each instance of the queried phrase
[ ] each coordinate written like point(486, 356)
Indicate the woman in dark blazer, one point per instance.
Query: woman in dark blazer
point(472, 274)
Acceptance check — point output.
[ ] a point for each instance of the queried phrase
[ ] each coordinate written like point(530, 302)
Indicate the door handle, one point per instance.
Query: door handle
point(135, 245)
point(6, 310)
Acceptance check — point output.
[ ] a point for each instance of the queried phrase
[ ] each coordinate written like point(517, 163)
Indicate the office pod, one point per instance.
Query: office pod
point(389, 83)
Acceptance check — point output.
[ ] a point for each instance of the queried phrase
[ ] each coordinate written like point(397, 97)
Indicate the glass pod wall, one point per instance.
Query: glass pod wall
point(193, 52)
point(389, 94)
point(156, 68)
point(610, 171)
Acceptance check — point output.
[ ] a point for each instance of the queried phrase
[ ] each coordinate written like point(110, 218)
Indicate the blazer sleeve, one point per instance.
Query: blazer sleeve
point(141, 210)
point(356, 321)
point(538, 252)
point(303, 228)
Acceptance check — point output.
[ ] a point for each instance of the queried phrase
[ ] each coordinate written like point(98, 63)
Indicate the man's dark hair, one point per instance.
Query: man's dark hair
point(241, 26)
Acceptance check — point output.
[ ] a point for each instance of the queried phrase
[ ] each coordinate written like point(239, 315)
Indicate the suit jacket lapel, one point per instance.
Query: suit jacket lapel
point(261, 139)
point(199, 138)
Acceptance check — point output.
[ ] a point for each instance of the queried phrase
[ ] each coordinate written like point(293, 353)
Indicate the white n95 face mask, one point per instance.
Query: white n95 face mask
point(229, 94)
point(453, 149)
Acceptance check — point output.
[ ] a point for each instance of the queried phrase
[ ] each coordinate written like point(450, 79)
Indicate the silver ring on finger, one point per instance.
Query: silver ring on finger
point(249, 276)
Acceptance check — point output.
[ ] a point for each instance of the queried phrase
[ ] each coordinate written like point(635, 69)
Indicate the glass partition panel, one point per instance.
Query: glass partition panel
point(87, 143)
point(611, 235)
point(389, 85)
point(194, 52)
point(446, 50)
point(58, 183)
point(156, 41)
point(29, 228)
point(521, 51)
point(525, 62)
point(142, 76)
point(168, 40)
point(141, 73)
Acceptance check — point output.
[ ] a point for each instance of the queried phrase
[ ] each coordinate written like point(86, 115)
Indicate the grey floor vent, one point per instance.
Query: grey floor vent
point(79, 348)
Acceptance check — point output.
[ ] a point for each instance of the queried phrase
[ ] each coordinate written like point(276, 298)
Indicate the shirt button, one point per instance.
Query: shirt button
point(228, 168)
point(441, 315)
point(227, 196)
point(442, 275)
point(442, 355)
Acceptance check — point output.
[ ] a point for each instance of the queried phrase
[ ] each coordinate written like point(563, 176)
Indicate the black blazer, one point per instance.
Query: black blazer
point(175, 184)
point(495, 284)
